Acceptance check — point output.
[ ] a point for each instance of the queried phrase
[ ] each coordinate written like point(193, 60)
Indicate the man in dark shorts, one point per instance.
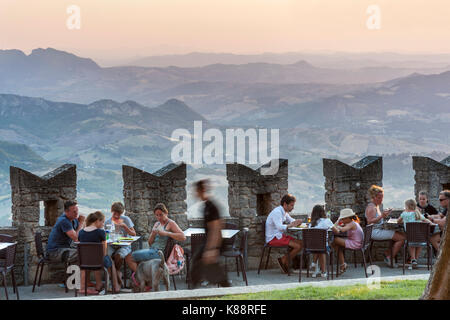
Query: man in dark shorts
point(205, 264)
point(64, 233)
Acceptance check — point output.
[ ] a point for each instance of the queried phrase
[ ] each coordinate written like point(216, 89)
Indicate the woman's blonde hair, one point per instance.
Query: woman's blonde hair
point(374, 191)
point(94, 217)
point(411, 204)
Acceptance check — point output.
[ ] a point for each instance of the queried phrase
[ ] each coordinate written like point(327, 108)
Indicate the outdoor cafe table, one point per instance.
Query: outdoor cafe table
point(123, 241)
point(4, 245)
point(226, 233)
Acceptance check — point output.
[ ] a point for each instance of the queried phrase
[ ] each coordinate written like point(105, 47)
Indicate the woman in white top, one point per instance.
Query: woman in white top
point(375, 217)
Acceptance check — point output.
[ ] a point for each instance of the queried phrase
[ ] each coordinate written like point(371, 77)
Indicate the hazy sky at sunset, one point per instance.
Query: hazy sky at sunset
point(126, 28)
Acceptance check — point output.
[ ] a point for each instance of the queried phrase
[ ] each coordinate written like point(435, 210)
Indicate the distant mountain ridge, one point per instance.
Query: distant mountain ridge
point(61, 76)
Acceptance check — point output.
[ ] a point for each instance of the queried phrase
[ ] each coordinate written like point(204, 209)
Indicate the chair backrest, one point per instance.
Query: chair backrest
point(168, 248)
point(38, 243)
point(315, 239)
point(229, 243)
point(367, 235)
point(244, 239)
point(5, 238)
point(264, 231)
point(418, 232)
point(90, 254)
point(198, 240)
point(10, 255)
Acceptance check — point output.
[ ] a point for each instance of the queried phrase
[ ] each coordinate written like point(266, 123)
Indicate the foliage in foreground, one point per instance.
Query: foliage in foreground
point(395, 290)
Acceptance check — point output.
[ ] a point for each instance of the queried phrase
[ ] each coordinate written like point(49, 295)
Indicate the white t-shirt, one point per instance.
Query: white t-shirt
point(275, 223)
point(324, 223)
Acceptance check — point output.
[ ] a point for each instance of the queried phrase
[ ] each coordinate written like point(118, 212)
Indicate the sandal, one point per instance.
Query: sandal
point(343, 268)
point(90, 291)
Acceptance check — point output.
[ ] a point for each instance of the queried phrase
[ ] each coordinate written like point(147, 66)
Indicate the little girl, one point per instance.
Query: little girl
point(319, 220)
point(355, 235)
point(93, 232)
point(412, 214)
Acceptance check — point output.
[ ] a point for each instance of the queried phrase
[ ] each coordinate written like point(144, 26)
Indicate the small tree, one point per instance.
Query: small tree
point(438, 283)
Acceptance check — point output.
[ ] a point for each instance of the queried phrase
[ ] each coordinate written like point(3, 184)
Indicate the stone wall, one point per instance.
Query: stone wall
point(27, 190)
point(347, 185)
point(251, 197)
point(143, 190)
point(431, 176)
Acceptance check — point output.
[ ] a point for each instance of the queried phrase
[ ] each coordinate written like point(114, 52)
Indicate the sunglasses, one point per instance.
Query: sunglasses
point(442, 199)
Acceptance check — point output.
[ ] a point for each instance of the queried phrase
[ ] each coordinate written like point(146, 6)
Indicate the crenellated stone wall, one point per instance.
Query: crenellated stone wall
point(347, 185)
point(27, 191)
point(251, 197)
point(143, 190)
point(431, 176)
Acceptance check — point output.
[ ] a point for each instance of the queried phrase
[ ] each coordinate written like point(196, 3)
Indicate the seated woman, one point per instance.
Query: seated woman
point(319, 220)
point(355, 235)
point(375, 217)
point(161, 231)
point(93, 232)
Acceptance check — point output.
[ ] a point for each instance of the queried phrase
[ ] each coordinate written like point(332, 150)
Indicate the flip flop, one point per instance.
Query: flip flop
point(90, 291)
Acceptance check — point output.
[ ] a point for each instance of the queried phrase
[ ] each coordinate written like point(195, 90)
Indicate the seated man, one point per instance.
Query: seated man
point(441, 218)
point(275, 229)
point(64, 232)
point(125, 227)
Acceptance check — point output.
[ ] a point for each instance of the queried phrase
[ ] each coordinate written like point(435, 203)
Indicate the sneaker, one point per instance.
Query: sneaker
point(323, 274)
point(388, 262)
point(410, 267)
point(414, 263)
point(316, 274)
point(312, 267)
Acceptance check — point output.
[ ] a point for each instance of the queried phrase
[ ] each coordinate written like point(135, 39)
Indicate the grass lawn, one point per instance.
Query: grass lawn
point(396, 290)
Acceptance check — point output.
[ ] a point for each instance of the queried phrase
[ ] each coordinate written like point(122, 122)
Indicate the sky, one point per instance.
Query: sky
point(114, 29)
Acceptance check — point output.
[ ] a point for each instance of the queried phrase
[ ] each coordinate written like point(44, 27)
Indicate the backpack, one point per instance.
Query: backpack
point(176, 261)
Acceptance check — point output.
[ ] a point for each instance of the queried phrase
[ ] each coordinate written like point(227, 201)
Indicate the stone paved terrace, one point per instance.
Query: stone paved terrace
point(266, 280)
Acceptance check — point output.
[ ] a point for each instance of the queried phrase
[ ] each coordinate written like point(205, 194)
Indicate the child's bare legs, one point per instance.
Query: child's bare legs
point(98, 280)
point(322, 262)
point(114, 277)
point(339, 245)
point(82, 277)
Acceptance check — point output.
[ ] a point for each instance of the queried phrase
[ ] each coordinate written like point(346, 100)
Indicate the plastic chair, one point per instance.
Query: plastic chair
point(43, 259)
point(239, 254)
point(365, 247)
point(417, 235)
point(90, 257)
point(7, 265)
point(266, 245)
point(315, 241)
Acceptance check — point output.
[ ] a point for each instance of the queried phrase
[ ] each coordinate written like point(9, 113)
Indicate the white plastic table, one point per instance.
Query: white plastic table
point(123, 242)
point(226, 233)
point(4, 245)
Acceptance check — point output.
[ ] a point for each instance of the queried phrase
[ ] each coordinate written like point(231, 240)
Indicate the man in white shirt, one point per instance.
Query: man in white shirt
point(275, 228)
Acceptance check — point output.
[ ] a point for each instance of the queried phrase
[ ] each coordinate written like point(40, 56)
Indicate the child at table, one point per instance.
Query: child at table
point(319, 220)
point(355, 235)
point(412, 214)
point(93, 232)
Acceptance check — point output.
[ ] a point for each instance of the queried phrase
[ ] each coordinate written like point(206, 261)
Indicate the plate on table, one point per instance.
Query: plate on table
point(121, 243)
point(125, 239)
